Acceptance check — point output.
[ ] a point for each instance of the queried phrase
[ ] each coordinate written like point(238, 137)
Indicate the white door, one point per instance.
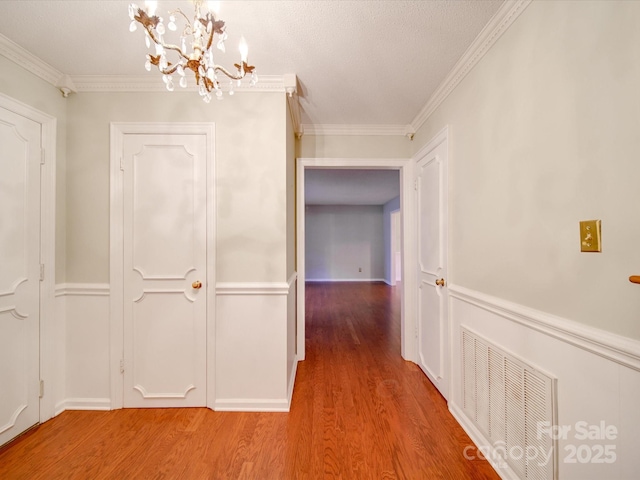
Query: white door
point(165, 273)
point(20, 154)
point(433, 330)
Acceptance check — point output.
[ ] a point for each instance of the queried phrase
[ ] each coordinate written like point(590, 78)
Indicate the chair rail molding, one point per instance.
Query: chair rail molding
point(84, 289)
point(622, 350)
point(255, 288)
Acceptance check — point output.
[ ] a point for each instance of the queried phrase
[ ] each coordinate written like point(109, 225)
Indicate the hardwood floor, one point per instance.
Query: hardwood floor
point(359, 412)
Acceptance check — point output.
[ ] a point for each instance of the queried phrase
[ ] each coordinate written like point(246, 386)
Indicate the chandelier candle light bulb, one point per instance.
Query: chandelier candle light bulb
point(151, 6)
point(214, 6)
point(200, 34)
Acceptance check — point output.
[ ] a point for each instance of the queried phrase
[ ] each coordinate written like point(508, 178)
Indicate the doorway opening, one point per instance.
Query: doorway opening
point(350, 262)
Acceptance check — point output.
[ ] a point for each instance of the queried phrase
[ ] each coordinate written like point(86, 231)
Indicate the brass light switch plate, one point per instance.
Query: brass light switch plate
point(590, 236)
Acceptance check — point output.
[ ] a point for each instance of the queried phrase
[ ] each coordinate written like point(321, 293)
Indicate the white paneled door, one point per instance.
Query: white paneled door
point(433, 333)
point(165, 270)
point(20, 154)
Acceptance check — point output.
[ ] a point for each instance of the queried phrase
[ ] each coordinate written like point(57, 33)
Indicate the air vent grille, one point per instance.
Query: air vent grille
point(508, 400)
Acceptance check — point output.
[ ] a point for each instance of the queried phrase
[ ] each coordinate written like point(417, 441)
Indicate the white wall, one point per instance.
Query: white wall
point(250, 178)
point(252, 229)
point(391, 206)
point(544, 133)
point(255, 200)
point(341, 239)
point(354, 146)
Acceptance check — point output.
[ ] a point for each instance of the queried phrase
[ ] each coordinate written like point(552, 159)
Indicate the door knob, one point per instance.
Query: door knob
point(440, 282)
point(197, 284)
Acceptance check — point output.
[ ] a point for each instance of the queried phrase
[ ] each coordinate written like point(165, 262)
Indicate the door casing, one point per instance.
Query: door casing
point(118, 131)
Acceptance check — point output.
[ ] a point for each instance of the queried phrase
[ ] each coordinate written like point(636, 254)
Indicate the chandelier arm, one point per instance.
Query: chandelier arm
point(228, 73)
point(177, 10)
point(166, 46)
point(170, 69)
point(210, 41)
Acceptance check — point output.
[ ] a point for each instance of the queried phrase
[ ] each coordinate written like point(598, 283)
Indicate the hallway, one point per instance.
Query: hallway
point(359, 412)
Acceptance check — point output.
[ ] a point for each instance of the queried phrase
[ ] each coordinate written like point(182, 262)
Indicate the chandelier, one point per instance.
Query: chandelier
point(199, 36)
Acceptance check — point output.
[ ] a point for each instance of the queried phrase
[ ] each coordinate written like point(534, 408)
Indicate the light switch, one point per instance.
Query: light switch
point(590, 236)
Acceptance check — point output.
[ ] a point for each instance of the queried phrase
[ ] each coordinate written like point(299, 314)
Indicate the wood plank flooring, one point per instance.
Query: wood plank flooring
point(359, 412)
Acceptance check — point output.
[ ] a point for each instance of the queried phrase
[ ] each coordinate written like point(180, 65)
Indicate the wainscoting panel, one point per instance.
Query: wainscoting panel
point(60, 340)
point(292, 332)
point(253, 355)
point(598, 384)
point(256, 358)
point(86, 346)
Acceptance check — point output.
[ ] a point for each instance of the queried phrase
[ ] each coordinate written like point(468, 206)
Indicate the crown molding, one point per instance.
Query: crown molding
point(153, 83)
point(28, 61)
point(330, 129)
point(499, 23)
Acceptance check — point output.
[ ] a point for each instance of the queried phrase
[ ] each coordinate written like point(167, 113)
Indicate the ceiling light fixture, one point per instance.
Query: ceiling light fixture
point(199, 34)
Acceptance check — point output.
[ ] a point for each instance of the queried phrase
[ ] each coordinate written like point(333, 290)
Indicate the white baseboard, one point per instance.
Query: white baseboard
point(83, 404)
point(292, 381)
point(251, 405)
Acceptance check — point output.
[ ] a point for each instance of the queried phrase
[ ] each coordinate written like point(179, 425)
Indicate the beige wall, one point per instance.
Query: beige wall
point(27, 88)
point(544, 133)
point(251, 192)
point(356, 146)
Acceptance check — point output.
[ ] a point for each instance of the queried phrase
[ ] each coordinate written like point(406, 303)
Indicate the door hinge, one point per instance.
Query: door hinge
point(122, 164)
point(415, 184)
point(122, 366)
point(41, 388)
point(42, 156)
point(42, 272)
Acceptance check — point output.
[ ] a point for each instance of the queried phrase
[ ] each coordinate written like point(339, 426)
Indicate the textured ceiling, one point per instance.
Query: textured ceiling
point(350, 187)
point(358, 62)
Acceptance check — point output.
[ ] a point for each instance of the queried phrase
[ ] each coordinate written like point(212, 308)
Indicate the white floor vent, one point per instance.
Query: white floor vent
point(509, 400)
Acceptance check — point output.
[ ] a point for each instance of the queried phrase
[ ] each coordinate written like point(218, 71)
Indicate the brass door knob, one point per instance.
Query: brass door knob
point(197, 284)
point(440, 282)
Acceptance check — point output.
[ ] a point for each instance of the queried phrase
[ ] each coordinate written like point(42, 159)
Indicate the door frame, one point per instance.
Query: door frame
point(116, 223)
point(49, 366)
point(409, 281)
